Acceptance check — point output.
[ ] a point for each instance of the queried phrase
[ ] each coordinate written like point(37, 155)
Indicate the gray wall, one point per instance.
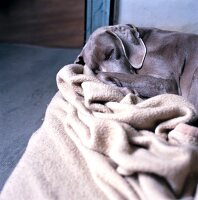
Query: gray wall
point(180, 15)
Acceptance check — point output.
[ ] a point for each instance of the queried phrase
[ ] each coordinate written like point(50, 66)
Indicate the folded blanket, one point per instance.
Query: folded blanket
point(97, 143)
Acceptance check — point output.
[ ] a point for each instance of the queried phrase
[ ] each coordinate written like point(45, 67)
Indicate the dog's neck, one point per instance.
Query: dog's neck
point(144, 33)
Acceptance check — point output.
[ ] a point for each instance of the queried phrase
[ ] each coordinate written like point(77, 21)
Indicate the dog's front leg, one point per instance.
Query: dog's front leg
point(145, 86)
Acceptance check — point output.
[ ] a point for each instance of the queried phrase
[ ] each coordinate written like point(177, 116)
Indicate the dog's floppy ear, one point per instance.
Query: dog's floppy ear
point(80, 59)
point(133, 46)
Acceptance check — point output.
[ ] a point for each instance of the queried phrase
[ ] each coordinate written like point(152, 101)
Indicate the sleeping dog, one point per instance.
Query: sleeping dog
point(148, 61)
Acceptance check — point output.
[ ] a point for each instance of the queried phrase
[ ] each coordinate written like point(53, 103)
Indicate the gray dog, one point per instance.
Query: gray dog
point(149, 61)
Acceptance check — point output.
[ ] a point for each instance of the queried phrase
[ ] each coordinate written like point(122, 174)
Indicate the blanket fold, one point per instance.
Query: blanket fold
point(96, 141)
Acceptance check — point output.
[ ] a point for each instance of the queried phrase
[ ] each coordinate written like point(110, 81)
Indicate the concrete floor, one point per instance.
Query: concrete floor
point(27, 84)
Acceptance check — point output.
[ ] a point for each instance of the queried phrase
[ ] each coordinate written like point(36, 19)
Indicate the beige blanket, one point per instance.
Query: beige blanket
point(96, 143)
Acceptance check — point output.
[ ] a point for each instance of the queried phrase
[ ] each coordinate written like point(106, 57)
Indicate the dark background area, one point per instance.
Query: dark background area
point(55, 23)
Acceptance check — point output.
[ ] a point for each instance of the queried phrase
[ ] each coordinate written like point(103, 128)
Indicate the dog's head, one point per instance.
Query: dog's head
point(116, 48)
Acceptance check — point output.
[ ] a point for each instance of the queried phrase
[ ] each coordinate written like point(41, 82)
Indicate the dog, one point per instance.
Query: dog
point(148, 61)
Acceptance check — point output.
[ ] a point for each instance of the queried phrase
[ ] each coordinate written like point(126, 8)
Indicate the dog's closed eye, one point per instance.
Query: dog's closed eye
point(108, 54)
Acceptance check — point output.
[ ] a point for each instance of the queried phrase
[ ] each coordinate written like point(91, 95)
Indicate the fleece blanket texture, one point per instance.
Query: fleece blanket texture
point(97, 143)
